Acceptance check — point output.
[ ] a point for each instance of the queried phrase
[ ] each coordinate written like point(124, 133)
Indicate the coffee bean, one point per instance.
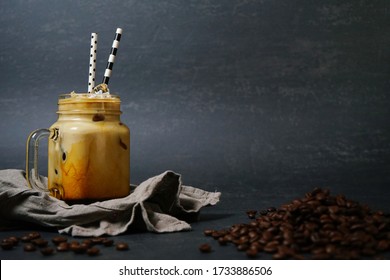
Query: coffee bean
point(271, 246)
point(59, 239)
point(34, 235)
point(40, 242)
point(334, 209)
point(271, 209)
point(29, 247)
point(108, 242)
point(264, 224)
point(26, 238)
point(314, 203)
point(254, 223)
point(122, 246)
point(263, 212)
point(205, 248)
point(340, 200)
point(97, 240)
point(368, 251)
point(228, 237)
point(252, 234)
point(243, 239)
point(47, 251)
point(63, 247)
point(78, 248)
point(208, 232)
point(383, 245)
point(222, 241)
point(13, 239)
point(278, 256)
point(83, 248)
point(74, 243)
point(330, 249)
point(251, 214)
point(321, 196)
point(88, 242)
point(243, 231)
point(252, 252)
point(267, 235)
point(217, 234)
point(6, 245)
point(242, 247)
point(93, 251)
point(371, 229)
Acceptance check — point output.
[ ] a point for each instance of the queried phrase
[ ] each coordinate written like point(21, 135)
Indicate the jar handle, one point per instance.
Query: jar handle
point(32, 175)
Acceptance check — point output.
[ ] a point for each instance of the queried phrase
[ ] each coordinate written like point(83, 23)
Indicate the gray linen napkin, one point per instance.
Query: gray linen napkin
point(155, 205)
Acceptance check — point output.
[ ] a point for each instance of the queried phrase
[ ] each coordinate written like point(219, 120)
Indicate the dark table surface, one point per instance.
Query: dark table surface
point(236, 199)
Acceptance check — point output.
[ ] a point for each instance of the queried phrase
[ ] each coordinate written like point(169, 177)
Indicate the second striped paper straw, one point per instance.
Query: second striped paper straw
point(92, 62)
point(111, 58)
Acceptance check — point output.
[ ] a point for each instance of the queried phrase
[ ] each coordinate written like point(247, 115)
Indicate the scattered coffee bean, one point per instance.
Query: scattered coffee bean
point(78, 248)
point(25, 238)
point(222, 241)
point(47, 251)
point(263, 212)
point(122, 246)
point(6, 245)
point(205, 248)
point(88, 242)
point(40, 242)
point(83, 248)
point(29, 247)
point(208, 232)
point(14, 240)
point(97, 240)
point(59, 239)
point(251, 214)
point(271, 209)
point(93, 251)
point(34, 235)
point(108, 242)
point(63, 247)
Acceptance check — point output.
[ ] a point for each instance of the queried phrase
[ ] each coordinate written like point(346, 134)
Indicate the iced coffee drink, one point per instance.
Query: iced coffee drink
point(89, 149)
point(88, 146)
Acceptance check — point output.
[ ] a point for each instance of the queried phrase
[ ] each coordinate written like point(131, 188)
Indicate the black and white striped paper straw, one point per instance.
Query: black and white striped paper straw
point(92, 62)
point(111, 58)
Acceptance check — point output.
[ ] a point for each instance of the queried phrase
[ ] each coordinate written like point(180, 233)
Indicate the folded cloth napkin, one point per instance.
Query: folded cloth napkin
point(155, 205)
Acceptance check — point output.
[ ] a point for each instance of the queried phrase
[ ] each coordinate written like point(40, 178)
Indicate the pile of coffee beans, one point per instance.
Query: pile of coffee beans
point(317, 226)
point(33, 241)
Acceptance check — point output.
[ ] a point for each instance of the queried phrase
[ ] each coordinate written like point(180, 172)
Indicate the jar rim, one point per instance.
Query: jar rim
point(88, 96)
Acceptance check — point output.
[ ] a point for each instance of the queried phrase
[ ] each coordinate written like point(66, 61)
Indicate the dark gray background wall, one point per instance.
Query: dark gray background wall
point(266, 96)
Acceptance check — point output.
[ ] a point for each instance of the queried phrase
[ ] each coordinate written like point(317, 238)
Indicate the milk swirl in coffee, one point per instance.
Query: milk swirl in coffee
point(89, 148)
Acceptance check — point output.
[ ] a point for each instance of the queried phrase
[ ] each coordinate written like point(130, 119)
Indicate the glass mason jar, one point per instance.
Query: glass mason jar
point(88, 150)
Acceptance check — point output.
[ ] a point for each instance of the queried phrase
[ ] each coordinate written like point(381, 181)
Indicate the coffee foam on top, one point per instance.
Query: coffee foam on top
point(95, 95)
